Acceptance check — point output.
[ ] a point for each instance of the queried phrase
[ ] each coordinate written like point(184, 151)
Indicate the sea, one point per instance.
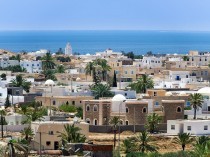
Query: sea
point(83, 42)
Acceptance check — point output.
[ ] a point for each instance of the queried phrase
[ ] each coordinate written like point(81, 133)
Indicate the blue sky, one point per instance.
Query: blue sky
point(105, 15)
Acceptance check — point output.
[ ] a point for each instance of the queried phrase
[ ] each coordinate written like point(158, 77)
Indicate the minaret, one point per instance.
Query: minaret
point(68, 49)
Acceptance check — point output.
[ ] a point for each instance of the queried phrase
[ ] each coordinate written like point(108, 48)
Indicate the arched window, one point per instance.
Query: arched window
point(88, 108)
point(126, 110)
point(144, 110)
point(126, 122)
point(95, 108)
point(88, 120)
point(95, 122)
point(178, 109)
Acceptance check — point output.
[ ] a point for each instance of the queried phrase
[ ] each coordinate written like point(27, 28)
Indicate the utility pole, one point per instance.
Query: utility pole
point(2, 126)
point(40, 144)
point(134, 125)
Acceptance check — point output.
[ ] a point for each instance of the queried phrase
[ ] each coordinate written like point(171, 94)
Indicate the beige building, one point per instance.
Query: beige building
point(56, 101)
point(49, 132)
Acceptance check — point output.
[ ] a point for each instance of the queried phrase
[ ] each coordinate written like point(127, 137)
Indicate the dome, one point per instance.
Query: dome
point(119, 97)
point(204, 91)
point(49, 83)
point(182, 93)
point(87, 54)
point(78, 79)
point(168, 94)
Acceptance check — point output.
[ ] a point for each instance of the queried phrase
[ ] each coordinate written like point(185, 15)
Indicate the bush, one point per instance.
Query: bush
point(67, 108)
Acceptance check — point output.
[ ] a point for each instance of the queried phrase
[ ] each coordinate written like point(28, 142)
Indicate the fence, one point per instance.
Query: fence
point(108, 129)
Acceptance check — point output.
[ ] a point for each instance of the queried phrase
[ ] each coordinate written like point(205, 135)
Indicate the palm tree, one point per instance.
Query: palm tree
point(89, 68)
point(104, 67)
point(49, 74)
point(115, 123)
point(184, 139)
point(60, 69)
point(72, 134)
point(202, 146)
point(142, 84)
point(143, 138)
point(14, 145)
point(19, 81)
point(18, 57)
point(196, 101)
point(27, 133)
point(152, 122)
point(48, 61)
point(128, 145)
point(101, 90)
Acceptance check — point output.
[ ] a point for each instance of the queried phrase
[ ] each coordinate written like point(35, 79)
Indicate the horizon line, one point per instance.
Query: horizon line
point(105, 30)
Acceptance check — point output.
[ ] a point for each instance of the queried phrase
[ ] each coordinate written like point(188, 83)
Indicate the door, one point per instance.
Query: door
point(56, 145)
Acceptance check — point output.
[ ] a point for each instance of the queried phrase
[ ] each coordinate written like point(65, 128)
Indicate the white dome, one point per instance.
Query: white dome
point(204, 91)
point(78, 79)
point(119, 97)
point(168, 94)
point(49, 83)
point(182, 93)
point(87, 54)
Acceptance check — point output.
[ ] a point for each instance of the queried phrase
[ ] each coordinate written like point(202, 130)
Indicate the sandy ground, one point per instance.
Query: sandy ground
point(162, 142)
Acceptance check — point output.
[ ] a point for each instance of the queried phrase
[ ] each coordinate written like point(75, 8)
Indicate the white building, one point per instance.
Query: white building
point(5, 62)
point(40, 53)
point(31, 66)
point(150, 62)
point(68, 49)
point(194, 127)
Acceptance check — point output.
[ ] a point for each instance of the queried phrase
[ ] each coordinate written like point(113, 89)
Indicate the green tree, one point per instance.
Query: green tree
point(19, 81)
point(143, 145)
point(142, 84)
point(114, 84)
point(128, 145)
point(79, 112)
point(115, 123)
point(104, 67)
point(185, 58)
point(3, 76)
point(7, 102)
point(101, 90)
point(60, 69)
point(152, 122)
point(48, 61)
point(196, 101)
point(67, 108)
point(14, 145)
point(89, 68)
point(49, 74)
point(27, 133)
point(71, 134)
point(183, 139)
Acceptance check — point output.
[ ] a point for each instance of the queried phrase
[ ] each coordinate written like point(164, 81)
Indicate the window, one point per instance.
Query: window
point(88, 120)
point(186, 76)
point(189, 128)
point(201, 72)
point(95, 108)
point(48, 143)
point(126, 72)
point(205, 127)
point(54, 102)
point(116, 72)
point(179, 109)
point(37, 64)
point(126, 122)
point(131, 72)
point(172, 127)
point(27, 65)
point(80, 102)
point(118, 64)
point(0, 94)
point(17, 92)
point(50, 132)
point(188, 103)
point(155, 93)
point(95, 122)
point(144, 110)
point(206, 73)
point(126, 94)
point(88, 108)
point(156, 103)
point(126, 110)
point(32, 64)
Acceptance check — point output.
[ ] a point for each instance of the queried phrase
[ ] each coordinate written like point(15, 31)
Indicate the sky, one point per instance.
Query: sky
point(186, 15)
